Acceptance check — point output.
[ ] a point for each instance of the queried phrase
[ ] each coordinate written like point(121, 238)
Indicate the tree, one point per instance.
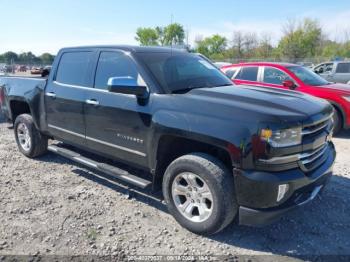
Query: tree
point(265, 48)
point(250, 43)
point(27, 58)
point(202, 46)
point(10, 57)
point(332, 49)
point(217, 43)
point(46, 58)
point(174, 34)
point(160, 32)
point(213, 46)
point(238, 43)
point(147, 36)
point(301, 41)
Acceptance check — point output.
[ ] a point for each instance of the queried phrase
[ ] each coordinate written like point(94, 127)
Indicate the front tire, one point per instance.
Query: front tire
point(199, 192)
point(29, 140)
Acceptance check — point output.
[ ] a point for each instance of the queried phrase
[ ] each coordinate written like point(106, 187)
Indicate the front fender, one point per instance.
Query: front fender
point(219, 132)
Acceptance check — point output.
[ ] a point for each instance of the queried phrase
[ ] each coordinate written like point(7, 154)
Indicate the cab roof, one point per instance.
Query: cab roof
point(129, 48)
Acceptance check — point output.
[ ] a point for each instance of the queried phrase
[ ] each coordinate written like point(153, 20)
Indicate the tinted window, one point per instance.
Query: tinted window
point(343, 68)
point(180, 72)
point(274, 76)
point(324, 68)
point(248, 73)
point(73, 68)
point(328, 67)
point(114, 64)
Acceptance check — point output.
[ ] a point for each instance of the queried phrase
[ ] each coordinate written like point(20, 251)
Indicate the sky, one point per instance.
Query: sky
point(46, 25)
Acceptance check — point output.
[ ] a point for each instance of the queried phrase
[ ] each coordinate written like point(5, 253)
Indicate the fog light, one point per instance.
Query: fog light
point(282, 190)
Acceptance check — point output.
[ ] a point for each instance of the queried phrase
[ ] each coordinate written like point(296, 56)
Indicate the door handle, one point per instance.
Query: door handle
point(92, 102)
point(51, 94)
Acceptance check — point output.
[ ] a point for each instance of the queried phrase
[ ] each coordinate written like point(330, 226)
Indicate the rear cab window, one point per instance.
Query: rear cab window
point(343, 68)
point(73, 68)
point(249, 73)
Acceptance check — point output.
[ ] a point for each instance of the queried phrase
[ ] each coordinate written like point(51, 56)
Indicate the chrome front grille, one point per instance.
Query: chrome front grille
point(311, 160)
point(321, 132)
point(318, 127)
point(314, 149)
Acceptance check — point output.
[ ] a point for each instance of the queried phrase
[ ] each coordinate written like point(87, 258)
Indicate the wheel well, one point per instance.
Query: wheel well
point(18, 108)
point(172, 147)
point(341, 114)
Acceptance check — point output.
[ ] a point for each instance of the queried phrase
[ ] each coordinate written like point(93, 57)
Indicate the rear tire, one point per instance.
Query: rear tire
point(29, 140)
point(199, 192)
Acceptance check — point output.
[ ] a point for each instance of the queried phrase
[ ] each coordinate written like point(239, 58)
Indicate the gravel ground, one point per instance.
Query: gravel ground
point(51, 206)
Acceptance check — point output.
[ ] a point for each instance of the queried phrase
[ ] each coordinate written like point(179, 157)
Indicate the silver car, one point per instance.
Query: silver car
point(338, 72)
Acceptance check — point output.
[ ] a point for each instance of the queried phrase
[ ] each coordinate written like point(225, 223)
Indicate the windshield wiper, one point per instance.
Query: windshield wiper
point(187, 89)
point(226, 85)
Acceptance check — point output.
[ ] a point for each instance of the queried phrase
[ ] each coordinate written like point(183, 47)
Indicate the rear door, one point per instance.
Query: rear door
point(342, 73)
point(116, 124)
point(247, 75)
point(65, 96)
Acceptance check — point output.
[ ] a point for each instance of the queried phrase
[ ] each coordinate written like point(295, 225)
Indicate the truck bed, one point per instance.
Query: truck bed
point(17, 87)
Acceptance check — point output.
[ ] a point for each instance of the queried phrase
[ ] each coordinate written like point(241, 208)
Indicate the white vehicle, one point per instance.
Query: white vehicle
point(338, 72)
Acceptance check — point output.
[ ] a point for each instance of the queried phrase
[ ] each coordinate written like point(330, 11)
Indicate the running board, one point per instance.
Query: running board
point(103, 167)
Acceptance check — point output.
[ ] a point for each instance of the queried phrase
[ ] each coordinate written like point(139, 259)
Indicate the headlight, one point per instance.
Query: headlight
point(347, 98)
point(282, 138)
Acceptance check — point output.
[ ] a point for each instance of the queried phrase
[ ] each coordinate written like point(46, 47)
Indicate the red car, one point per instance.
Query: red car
point(295, 77)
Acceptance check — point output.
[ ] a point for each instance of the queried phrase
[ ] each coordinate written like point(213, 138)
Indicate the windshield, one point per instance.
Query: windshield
point(181, 72)
point(307, 76)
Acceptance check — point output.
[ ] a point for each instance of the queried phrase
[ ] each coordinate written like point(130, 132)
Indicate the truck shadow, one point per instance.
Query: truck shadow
point(343, 134)
point(319, 228)
point(2, 118)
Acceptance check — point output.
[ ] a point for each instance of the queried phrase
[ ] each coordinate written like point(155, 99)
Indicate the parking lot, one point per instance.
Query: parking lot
point(53, 206)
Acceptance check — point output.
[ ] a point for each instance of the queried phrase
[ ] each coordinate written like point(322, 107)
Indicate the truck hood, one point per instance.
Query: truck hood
point(337, 86)
point(262, 103)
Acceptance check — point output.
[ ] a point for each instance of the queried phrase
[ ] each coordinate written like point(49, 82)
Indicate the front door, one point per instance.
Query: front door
point(116, 124)
point(274, 77)
point(65, 96)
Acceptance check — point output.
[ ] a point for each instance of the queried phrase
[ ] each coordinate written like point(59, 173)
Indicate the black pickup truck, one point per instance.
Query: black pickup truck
point(218, 152)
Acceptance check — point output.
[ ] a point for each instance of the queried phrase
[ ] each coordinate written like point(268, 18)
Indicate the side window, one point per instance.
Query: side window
point(274, 76)
point(328, 67)
point(343, 68)
point(114, 64)
point(248, 73)
point(324, 68)
point(73, 68)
